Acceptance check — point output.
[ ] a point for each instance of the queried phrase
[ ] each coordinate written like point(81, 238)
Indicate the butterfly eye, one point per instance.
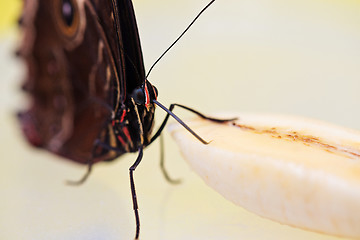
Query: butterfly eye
point(139, 96)
point(67, 17)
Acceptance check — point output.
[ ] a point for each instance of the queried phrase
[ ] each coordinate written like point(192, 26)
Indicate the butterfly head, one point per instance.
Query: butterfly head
point(132, 123)
point(145, 94)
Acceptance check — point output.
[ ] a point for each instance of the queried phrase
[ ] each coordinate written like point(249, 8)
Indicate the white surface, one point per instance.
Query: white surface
point(296, 171)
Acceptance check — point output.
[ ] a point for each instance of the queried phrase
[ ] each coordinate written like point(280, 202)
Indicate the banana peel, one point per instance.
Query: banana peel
point(296, 171)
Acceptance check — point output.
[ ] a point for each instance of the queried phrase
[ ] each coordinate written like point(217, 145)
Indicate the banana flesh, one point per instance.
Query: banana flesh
point(297, 171)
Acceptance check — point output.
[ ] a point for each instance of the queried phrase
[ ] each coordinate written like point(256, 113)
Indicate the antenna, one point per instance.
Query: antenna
point(192, 22)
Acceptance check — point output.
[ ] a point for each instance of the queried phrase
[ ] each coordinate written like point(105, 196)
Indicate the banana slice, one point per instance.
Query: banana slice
point(297, 171)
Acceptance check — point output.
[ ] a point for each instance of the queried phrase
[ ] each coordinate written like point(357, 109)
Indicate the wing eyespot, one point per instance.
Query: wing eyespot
point(68, 13)
point(67, 17)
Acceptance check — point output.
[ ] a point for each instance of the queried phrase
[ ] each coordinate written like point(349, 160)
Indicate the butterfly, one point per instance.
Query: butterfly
point(90, 98)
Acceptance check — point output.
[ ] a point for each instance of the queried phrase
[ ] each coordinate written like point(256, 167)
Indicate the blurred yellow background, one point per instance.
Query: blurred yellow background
point(9, 11)
point(297, 57)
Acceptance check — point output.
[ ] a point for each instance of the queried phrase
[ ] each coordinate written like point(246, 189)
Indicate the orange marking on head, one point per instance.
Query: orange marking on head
point(147, 97)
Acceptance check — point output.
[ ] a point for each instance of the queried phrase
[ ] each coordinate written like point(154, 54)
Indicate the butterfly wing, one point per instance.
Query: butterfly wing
point(76, 73)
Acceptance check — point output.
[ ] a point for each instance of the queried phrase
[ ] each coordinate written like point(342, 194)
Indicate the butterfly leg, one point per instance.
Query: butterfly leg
point(169, 112)
point(162, 164)
point(90, 164)
point(161, 128)
point(133, 191)
point(83, 179)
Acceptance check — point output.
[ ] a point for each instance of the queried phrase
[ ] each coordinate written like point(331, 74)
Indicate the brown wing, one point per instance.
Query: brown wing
point(73, 77)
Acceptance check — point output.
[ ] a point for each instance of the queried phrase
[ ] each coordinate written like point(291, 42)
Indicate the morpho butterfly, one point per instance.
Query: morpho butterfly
point(90, 98)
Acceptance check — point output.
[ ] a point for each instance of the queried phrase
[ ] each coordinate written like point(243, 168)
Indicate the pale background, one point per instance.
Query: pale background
point(296, 57)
